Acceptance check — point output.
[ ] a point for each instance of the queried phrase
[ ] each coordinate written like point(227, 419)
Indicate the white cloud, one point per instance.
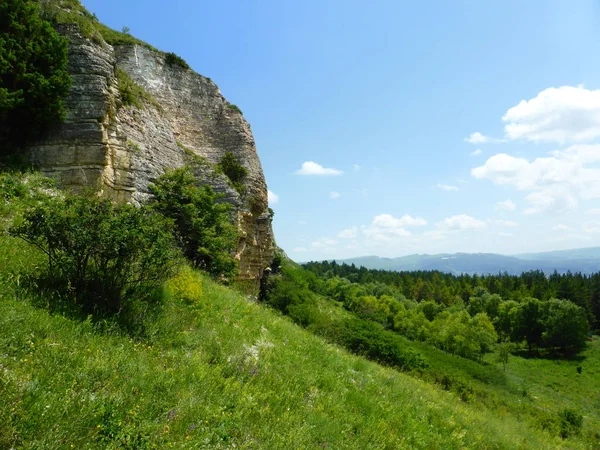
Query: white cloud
point(349, 233)
point(477, 138)
point(447, 187)
point(505, 234)
point(561, 227)
point(461, 222)
point(273, 197)
point(323, 243)
point(389, 221)
point(506, 205)
point(312, 168)
point(302, 222)
point(592, 227)
point(387, 228)
point(334, 195)
point(504, 223)
point(356, 167)
point(556, 181)
point(564, 114)
point(475, 152)
point(593, 212)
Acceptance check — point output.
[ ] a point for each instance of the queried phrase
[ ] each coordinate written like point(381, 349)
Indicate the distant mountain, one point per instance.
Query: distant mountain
point(585, 260)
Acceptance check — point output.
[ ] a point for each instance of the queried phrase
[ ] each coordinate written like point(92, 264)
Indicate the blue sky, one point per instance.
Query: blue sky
point(392, 127)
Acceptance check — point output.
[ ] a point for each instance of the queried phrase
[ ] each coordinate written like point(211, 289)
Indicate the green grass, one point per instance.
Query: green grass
point(214, 371)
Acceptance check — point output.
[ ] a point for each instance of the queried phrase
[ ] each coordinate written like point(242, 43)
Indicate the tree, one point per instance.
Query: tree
point(503, 351)
point(202, 224)
point(33, 71)
point(528, 322)
point(99, 254)
point(566, 326)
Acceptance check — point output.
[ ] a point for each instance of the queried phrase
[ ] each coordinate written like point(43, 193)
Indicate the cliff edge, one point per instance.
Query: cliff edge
point(171, 116)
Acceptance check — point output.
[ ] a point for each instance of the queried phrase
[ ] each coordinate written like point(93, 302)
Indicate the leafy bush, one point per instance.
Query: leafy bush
point(33, 65)
point(236, 173)
point(173, 59)
point(186, 285)
point(235, 108)
point(369, 339)
point(570, 422)
point(99, 254)
point(202, 226)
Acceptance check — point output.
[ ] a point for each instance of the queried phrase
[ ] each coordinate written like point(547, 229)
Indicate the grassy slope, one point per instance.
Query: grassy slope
point(218, 373)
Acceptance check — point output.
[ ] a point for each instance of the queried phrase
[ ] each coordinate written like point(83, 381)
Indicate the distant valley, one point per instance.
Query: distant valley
point(584, 260)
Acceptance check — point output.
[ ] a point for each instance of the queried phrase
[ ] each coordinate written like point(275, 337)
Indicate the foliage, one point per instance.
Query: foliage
point(132, 94)
point(175, 60)
point(236, 173)
point(570, 422)
point(186, 285)
point(233, 107)
point(33, 71)
point(100, 254)
point(202, 224)
point(565, 326)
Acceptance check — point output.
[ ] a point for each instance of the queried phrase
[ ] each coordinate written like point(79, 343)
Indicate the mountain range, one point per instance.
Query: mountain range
point(584, 260)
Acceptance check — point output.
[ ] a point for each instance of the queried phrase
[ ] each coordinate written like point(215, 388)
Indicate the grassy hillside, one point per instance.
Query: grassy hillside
point(213, 370)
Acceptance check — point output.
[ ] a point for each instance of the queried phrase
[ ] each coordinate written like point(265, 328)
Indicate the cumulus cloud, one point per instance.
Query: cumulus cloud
point(312, 168)
point(475, 152)
point(477, 138)
point(355, 167)
point(348, 233)
point(323, 243)
point(462, 222)
point(273, 197)
point(447, 187)
point(592, 227)
point(506, 205)
point(505, 234)
point(334, 195)
point(389, 221)
point(561, 227)
point(504, 223)
point(593, 212)
point(556, 181)
point(564, 114)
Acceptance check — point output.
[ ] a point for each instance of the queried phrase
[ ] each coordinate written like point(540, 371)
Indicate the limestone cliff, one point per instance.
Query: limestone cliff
point(120, 149)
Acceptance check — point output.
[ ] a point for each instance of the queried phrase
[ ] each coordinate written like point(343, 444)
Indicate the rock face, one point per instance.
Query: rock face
point(121, 149)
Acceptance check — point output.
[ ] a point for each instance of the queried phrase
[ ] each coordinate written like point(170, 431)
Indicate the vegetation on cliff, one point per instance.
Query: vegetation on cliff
point(33, 72)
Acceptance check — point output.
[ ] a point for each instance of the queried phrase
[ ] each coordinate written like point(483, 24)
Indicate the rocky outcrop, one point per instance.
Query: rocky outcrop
point(121, 149)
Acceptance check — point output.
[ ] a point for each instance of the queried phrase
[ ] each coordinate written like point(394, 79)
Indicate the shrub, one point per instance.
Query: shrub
point(202, 226)
point(236, 173)
point(186, 285)
point(235, 108)
point(570, 422)
point(33, 64)
point(370, 340)
point(99, 254)
point(175, 60)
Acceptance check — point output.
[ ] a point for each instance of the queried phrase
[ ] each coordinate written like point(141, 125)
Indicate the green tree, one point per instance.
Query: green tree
point(528, 322)
point(566, 326)
point(100, 254)
point(33, 76)
point(202, 223)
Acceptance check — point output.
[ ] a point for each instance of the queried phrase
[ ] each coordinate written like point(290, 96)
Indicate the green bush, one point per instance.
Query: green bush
point(173, 59)
point(132, 94)
point(236, 173)
point(33, 72)
point(99, 254)
point(202, 224)
point(570, 422)
point(370, 340)
point(235, 108)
